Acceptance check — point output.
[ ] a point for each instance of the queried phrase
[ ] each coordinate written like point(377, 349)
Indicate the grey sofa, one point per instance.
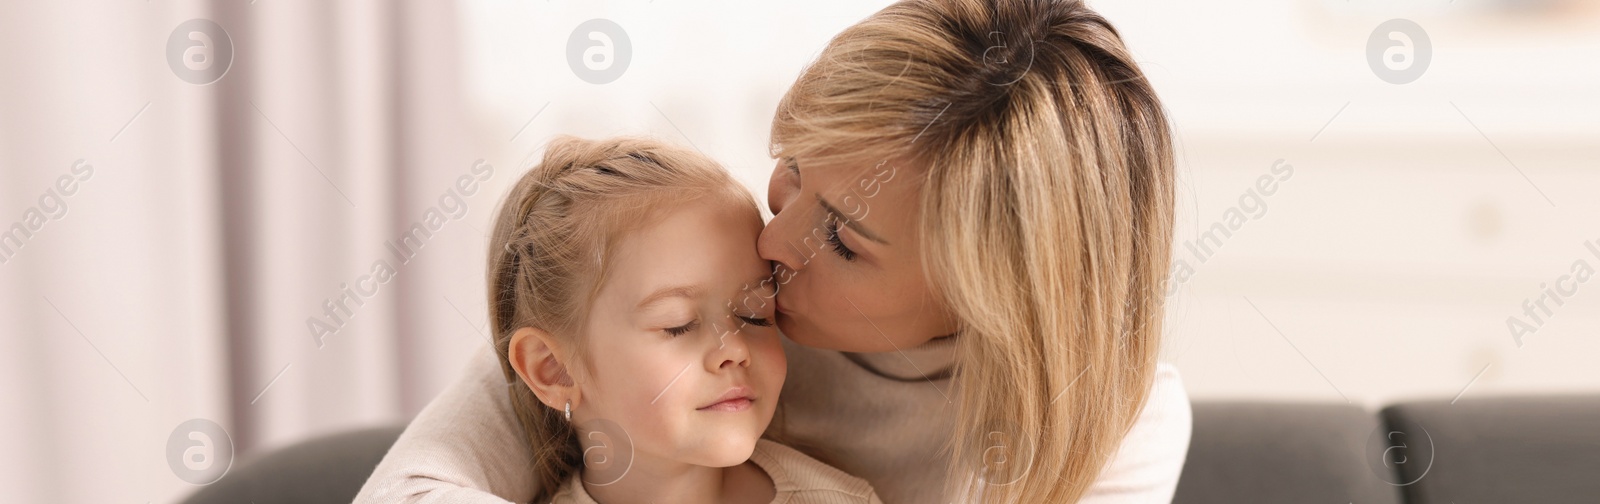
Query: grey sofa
point(328, 469)
point(1499, 450)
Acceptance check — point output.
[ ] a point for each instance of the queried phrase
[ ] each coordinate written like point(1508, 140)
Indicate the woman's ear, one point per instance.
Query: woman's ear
point(537, 358)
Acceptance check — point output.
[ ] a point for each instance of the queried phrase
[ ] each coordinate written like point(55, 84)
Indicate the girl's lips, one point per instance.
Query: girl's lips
point(731, 405)
point(735, 399)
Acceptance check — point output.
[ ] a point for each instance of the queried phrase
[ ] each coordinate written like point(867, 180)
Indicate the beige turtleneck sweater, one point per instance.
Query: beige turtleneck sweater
point(796, 479)
point(873, 416)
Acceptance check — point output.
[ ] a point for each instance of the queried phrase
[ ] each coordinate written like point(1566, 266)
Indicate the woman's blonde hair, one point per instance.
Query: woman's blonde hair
point(549, 249)
point(1046, 216)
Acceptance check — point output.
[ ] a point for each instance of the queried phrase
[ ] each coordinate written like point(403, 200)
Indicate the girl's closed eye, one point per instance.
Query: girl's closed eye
point(692, 325)
point(683, 329)
point(757, 321)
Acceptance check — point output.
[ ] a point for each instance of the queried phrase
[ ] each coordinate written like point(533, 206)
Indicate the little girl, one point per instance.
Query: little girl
point(634, 319)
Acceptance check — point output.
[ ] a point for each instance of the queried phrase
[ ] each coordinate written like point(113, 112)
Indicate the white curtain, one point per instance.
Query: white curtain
point(174, 272)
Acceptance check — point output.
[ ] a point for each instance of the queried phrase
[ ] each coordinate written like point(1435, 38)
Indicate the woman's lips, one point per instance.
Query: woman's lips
point(735, 399)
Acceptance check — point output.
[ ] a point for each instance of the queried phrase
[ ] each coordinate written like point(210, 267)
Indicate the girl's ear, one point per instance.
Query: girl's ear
point(537, 358)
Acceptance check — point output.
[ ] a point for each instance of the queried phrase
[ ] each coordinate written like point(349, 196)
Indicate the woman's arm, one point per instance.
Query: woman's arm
point(1146, 467)
point(465, 447)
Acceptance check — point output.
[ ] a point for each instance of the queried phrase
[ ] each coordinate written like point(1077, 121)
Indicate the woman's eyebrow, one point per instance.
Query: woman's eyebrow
point(850, 223)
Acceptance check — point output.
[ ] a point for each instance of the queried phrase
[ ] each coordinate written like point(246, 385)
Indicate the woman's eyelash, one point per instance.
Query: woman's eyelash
point(683, 329)
point(836, 243)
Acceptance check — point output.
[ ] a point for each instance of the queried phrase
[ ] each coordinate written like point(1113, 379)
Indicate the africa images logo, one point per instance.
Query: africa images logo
point(599, 51)
point(199, 451)
point(1399, 51)
point(199, 51)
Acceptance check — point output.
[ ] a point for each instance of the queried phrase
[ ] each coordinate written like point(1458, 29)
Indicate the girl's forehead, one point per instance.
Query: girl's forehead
point(705, 243)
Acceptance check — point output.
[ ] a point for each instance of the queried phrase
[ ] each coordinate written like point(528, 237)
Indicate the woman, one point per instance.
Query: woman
point(973, 209)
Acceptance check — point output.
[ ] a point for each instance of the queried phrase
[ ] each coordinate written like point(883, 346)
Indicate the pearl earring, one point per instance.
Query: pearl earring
point(569, 411)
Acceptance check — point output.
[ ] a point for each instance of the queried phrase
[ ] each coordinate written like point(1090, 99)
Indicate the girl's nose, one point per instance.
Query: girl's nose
point(731, 350)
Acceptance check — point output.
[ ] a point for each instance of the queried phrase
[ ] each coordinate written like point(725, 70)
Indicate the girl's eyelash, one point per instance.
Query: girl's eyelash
point(683, 329)
point(756, 321)
point(695, 324)
point(836, 243)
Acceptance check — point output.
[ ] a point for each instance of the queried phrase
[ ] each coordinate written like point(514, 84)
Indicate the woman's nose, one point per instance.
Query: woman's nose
point(782, 187)
point(775, 243)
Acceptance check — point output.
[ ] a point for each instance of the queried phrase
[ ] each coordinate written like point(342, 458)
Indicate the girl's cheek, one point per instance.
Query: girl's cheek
point(655, 385)
point(774, 363)
point(633, 376)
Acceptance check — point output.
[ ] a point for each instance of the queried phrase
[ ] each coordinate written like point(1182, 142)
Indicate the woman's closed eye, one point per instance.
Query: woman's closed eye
point(836, 243)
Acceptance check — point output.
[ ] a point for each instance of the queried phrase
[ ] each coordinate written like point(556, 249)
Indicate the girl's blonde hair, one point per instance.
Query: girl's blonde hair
point(551, 243)
point(1046, 216)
